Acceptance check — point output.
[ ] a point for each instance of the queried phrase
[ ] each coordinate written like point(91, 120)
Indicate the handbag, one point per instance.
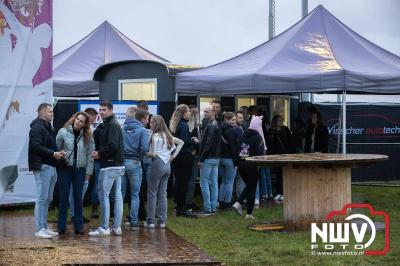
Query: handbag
point(63, 163)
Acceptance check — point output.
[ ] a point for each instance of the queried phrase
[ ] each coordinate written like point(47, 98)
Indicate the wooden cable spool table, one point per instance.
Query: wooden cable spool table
point(314, 184)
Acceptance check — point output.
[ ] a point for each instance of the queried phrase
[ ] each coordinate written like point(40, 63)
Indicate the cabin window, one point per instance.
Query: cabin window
point(245, 101)
point(138, 89)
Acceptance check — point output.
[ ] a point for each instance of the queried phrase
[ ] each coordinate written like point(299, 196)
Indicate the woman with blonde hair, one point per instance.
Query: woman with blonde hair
point(194, 129)
point(183, 164)
point(162, 150)
point(76, 139)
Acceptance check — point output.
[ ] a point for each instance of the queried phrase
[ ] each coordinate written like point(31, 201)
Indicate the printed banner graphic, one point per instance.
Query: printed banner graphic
point(25, 82)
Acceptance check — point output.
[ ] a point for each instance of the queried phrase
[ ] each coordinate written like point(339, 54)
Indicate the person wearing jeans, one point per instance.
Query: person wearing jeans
point(111, 156)
point(209, 162)
point(76, 139)
point(161, 148)
point(279, 142)
point(136, 146)
point(71, 197)
point(94, 197)
point(230, 133)
point(264, 188)
point(110, 183)
point(209, 185)
point(42, 159)
point(239, 185)
point(45, 179)
point(73, 179)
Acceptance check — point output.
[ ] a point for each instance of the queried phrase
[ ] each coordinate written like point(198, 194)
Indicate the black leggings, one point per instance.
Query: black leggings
point(183, 167)
point(250, 176)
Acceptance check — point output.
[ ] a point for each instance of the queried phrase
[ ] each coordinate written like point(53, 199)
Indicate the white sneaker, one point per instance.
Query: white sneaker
point(249, 216)
point(43, 234)
point(162, 226)
point(117, 231)
point(238, 208)
point(256, 203)
point(51, 232)
point(151, 226)
point(264, 197)
point(100, 232)
point(277, 196)
point(281, 198)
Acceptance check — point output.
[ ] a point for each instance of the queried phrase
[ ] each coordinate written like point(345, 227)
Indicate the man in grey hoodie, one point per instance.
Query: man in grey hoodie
point(136, 145)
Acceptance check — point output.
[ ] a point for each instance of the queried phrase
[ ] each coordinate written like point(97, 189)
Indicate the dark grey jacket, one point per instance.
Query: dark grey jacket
point(210, 144)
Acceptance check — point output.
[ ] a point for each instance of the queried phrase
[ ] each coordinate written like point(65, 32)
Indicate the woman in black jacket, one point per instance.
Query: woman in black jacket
point(251, 144)
point(183, 163)
point(279, 141)
point(317, 136)
point(194, 129)
point(230, 135)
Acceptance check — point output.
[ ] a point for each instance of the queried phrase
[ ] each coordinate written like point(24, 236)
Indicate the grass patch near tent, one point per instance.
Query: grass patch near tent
point(226, 236)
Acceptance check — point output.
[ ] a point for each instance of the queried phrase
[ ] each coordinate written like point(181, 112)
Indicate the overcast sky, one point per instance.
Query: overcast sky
point(205, 32)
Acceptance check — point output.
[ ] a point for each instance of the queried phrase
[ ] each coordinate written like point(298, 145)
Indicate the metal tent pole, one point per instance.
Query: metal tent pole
point(344, 121)
point(339, 137)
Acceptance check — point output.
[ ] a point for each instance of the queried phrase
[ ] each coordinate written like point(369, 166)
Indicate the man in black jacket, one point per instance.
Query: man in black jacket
point(110, 152)
point(209, 161)
point(42, 158)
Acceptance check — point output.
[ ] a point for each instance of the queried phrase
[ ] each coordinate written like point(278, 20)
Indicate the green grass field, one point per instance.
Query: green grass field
point(226, 237)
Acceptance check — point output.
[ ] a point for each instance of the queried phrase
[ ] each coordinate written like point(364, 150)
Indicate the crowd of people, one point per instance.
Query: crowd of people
point(134, 162)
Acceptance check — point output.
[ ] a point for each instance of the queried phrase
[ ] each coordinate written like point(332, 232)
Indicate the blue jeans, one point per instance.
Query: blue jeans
point(157, 191)
point(95, 192)
point(71, 196)
point(133, 176)
point(45, 179)
point(239, 185)
point(264, 184)
point(209, 183)
point(110, 178)
point(77, 178)
point(227, 171)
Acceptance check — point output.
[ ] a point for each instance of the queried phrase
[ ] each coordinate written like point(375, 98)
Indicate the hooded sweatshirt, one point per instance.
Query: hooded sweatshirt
point(229, 142)
point(136, 139)
point(253, 142)
point(256, 124)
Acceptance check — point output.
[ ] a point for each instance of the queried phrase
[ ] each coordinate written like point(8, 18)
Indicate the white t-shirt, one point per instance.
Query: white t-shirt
point(159, 146)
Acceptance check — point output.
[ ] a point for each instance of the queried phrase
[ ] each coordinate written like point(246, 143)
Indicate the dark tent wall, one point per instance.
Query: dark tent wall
point(371, 129)
point(110, 75)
